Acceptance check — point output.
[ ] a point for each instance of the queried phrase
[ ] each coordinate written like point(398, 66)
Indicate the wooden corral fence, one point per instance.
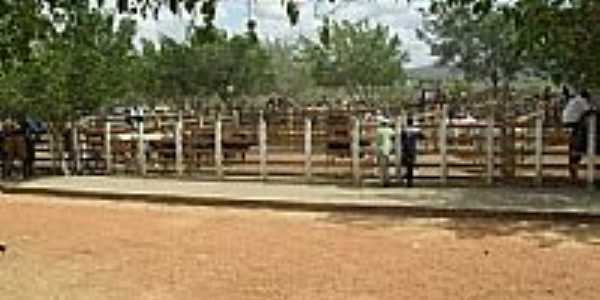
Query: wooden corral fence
point(317, 144)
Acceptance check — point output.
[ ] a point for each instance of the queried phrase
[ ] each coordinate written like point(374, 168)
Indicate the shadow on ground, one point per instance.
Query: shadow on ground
point(544, 234)
point(503, 197)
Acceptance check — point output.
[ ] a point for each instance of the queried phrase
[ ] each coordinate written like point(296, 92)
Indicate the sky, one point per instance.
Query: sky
point(402, 18)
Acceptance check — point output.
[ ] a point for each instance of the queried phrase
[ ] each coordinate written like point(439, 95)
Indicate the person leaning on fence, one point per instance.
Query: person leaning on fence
point(384, 146)
point(410, 137)
point(572, 118)
point(31, 129)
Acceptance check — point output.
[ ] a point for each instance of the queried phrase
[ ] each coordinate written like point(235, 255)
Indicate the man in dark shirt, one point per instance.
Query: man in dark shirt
point(30, 129)
point(410, 137)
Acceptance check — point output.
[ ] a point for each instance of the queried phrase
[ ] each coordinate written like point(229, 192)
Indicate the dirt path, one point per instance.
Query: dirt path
point(62, 249)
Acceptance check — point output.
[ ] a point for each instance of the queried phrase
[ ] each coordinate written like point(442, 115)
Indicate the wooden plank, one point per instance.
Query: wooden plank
point(179, 145)
point(262, 140)
point(355, 150)
point(235, 118)
point(219, 147)
point(539, 147)
point(591, 151)
point(308, 149)
point(490, 149)
point(108, 147)
point(443, 139)
point(141, 153)
point(400, 124)
point(76, 148)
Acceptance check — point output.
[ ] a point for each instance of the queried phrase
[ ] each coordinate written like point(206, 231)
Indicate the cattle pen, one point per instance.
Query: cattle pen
point(316, 144)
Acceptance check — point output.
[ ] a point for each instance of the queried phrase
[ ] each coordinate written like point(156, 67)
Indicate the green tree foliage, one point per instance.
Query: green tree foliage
point(293, 78)
point(484, 47)
point(558, 37)
point(78, 69)
point(79, 65)
point(21, 24)
point(358, 57)
point(207, 63)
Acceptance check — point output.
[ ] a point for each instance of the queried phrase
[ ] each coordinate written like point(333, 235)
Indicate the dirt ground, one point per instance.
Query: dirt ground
point(64, 249)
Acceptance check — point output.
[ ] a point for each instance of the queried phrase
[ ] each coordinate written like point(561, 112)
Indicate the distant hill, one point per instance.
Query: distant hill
point(433, 73)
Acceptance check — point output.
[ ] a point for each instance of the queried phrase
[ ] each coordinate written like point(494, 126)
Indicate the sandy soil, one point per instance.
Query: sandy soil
point(60, 249)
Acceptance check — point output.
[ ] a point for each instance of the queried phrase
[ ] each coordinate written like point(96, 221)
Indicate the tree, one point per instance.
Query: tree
point(78, 68)
point(358, 57)
point(558, 38)
point(482, 47)
point(563, 41)
point(206, 63)
point(292, 78)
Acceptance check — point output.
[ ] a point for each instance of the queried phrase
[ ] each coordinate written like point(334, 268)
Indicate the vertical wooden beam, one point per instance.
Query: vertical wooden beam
point(179, 144)
point(262, 140)
point(108, 147)
point(63, 142)
point(76, 147)
point(141, 155)
point(308, 149)
point(489, 133)
point(201, 121)
point(400, 123)
point(52, 147)
point(539, 147)
point(443, 140)
point(355, 150)
point(236, 117)
point(591, 151)
point(219, 147)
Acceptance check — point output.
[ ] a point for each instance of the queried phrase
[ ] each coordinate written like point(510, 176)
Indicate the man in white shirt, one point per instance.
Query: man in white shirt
point(384, 147)
point(576, 107)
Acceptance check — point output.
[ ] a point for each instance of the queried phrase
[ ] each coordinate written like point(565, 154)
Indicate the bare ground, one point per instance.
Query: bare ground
point(62, 249)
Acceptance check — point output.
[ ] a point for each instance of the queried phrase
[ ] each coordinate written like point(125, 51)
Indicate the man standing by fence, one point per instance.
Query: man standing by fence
point(410, 137)
point(384, 146)
point(576, 108)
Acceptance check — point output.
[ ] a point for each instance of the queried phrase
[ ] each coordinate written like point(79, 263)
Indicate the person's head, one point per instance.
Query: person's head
point(410, 121)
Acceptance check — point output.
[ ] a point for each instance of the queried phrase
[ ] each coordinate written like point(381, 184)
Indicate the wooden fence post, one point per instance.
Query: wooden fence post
point(76, 147)
point(539, 147)
point(398, 139)
point(236, 117)
point(591, 151)
point(308, 149)
point(490, 148)
point(262, 140)
point(141, 148)
point(355, 150)
point(443, 139)
point(201, 121)
point(108, 147)
point(179, 144)
point(219, 147)
point(55, 160)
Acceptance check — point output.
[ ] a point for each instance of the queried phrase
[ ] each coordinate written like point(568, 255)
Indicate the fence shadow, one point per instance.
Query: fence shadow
point(545, 234)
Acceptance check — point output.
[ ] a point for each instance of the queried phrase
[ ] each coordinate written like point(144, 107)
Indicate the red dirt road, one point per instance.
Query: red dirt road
point(60, 249)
